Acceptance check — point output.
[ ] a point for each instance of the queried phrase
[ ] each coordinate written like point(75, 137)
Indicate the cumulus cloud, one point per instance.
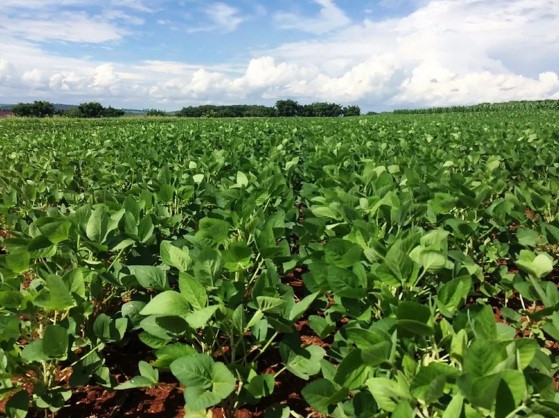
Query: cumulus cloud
point(329, 18)
point(446, 52)
point(105, 77)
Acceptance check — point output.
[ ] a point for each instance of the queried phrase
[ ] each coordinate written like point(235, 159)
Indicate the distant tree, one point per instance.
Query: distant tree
point(287, 108)
point(37, 109)
point(94, 110)
point(22, 109)
point(351, 111)
point(322, 109)
point(90, 110)
point(259, 111)
point(155, 112)
point(111, 112)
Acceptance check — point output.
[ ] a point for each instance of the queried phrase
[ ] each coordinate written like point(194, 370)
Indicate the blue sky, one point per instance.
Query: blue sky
point(380, 54)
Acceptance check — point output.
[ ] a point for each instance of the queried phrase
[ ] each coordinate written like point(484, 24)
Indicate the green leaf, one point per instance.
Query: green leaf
point(9, 327)
point(98, 225)
point(193, 291)
point(18, 260)
point(55, 341)
point(109, 330)
point(321, 326)
point(452, 295)
point(55, 230)
point(167, 303)
point(41, 247)
point(388, 393)
point(352, 373)
point(428, 385)
point(432, 261)
point(75, 283)
point(484, 357)
point(261, 386)
point(174, 256)
point(414, 318)
point(147, 371)
point(538, 266)
point(207, 382)
point(300, 307)
point(212, 232)
point(403, 410)
point(302, 362)
point(269, 304)
point(33, 352)
point(150, 277)
point(10, 299)
point(527, 237)
point(145, 229)
point(166, 355)
point(454, 407)
point(321, 394)
point(398, 261)
point(59, 297)
point(208, 266)
point(242, 179)
point(342, 253)
point(200, 317)
point(510, 393)
point(237, 257)
point(18, 405)
point(484, 324)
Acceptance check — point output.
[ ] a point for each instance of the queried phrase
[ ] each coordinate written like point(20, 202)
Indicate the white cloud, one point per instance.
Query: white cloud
point(75, 27)
point(224, 18)
point(446, 52)
point(328, 19)
point(105, 77)
point(33, 78)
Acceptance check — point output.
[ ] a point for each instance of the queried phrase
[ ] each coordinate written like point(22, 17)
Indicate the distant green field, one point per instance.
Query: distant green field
point(392, 264)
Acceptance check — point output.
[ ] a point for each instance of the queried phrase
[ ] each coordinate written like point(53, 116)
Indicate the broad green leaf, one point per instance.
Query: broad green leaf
point(452, 295)
point(321, 394)
point(212, 232)
point(18, 260)
point(428, 385)
point(167, 303)
point(200, 317)
point(174, 256)
point(98, 225)
point(55, 341)
point(166, 355)
point(193, 291)
point(537, 265)
point(150, 277)
point(388, 393)
point(237, 257)
point(109, 330)
point(56, 230)
point(17, 405)
point(261, 386)
point(302, 362)
point(206, 381)
point(352, 373)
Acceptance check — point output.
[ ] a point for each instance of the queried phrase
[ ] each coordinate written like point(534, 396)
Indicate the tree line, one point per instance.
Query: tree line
point(42, 109)
point(282, 108)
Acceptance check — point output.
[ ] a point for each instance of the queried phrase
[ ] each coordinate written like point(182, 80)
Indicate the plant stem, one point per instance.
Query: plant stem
point(266, 345)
